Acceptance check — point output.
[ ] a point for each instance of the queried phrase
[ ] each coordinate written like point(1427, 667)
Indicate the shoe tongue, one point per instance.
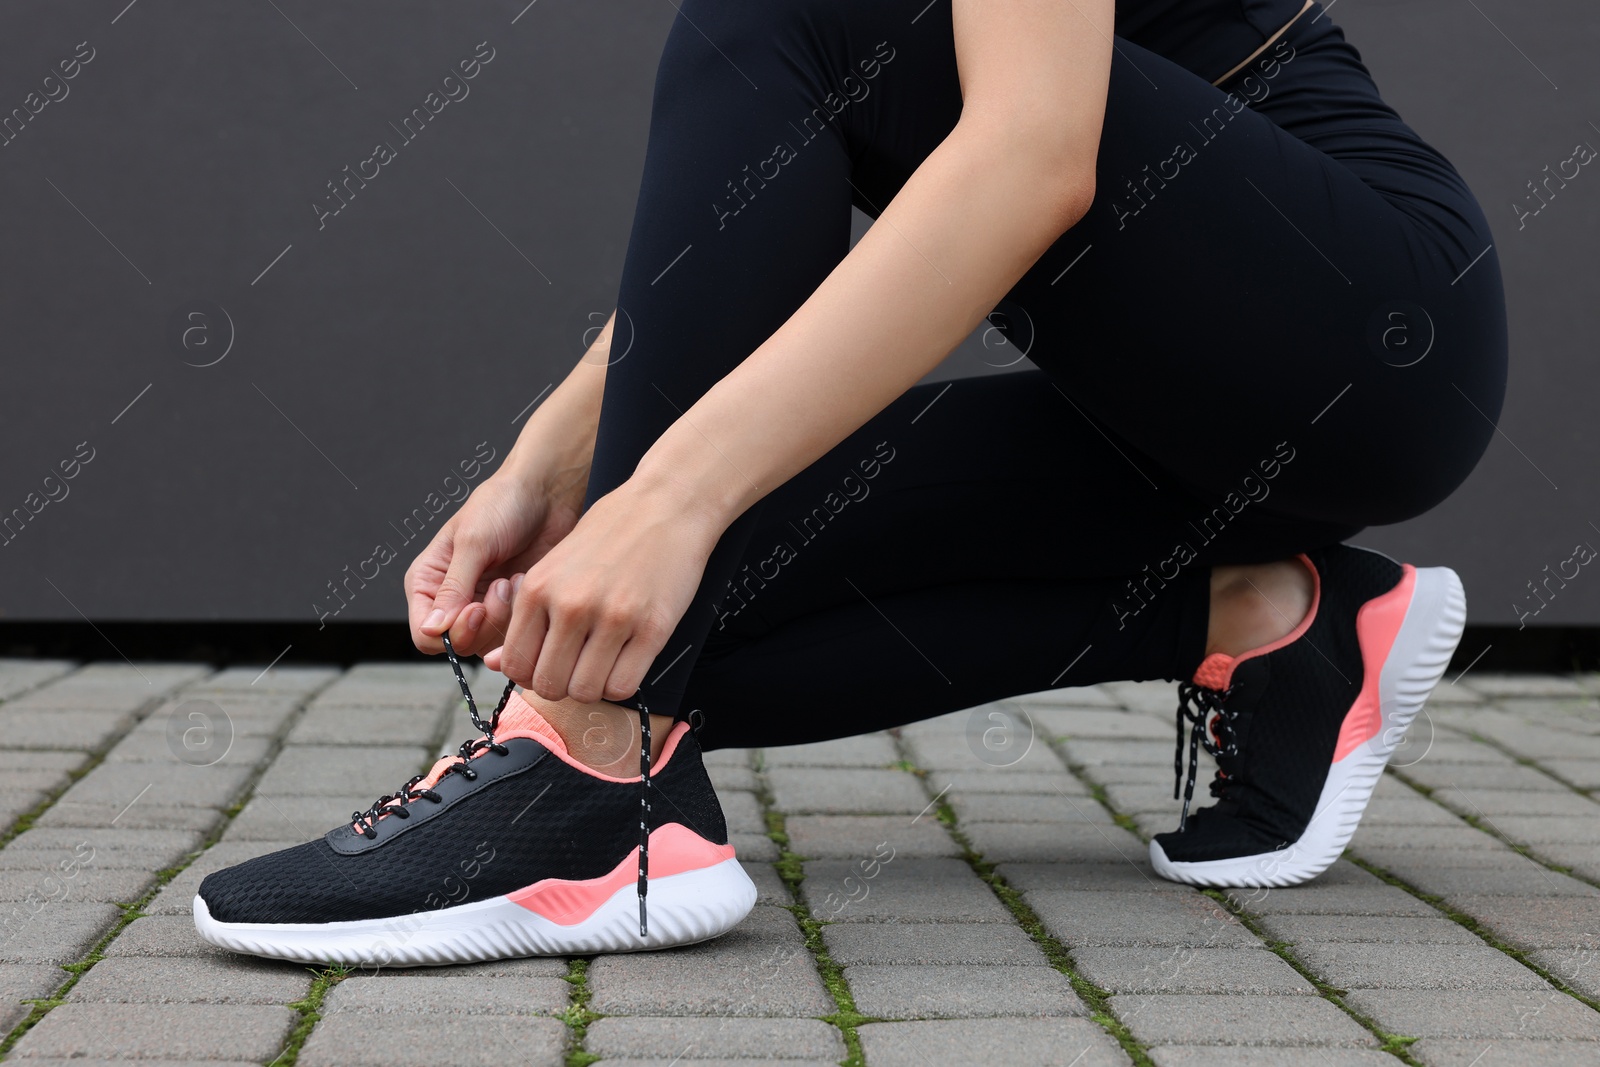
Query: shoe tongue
point(521, 719)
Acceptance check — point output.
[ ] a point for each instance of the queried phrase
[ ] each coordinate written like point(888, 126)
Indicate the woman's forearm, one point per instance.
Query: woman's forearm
point(556, 444)
point(970, 221)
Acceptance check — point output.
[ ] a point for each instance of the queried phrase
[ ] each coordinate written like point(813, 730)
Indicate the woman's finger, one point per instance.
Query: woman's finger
point(558, 653)
point(595, 662)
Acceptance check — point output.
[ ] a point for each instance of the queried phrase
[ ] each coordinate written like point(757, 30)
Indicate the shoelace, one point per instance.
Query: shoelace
point(395, 803)
point(1196, 705)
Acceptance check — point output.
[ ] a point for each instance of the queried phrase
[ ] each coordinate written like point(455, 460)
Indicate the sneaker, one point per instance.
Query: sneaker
point(1302, 728)
point(508, 848)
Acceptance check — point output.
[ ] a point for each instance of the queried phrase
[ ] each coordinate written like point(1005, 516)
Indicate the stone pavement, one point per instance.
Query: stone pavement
point(971, 889)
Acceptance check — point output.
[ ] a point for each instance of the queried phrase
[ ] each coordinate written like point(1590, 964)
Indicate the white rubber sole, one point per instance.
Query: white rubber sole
point(683, 908)
point(1422, 649)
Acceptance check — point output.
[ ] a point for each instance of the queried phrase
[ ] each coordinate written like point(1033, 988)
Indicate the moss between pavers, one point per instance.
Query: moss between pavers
point(1096, 999)
point(134, 910)
point(310, 1009)
point(791, 869)
point(578, 1017)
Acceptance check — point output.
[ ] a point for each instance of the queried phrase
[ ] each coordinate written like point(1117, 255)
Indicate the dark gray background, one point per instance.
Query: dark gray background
point(378, 351)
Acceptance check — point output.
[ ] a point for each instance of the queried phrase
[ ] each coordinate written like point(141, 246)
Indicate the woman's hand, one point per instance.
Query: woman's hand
point(591, 616)
point(464, 580)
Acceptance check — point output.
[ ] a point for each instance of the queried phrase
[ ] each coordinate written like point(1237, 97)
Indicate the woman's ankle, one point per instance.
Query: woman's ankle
point(602, 736)
point(1256, 604)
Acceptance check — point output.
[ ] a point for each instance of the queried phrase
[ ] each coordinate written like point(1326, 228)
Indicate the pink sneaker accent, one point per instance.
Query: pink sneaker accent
point(674, 849)
point(1377, 625)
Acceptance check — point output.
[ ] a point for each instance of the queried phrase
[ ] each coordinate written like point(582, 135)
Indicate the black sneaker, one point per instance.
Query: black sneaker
point(508, 848)
point(1301, 728)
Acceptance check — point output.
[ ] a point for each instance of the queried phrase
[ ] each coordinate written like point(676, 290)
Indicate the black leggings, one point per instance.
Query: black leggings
point(1275, 326)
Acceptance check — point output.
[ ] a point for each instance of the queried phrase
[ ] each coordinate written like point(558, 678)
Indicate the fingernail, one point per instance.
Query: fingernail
point(502, 589)
point(475, 616)
point(435, 620)
point(516, 583)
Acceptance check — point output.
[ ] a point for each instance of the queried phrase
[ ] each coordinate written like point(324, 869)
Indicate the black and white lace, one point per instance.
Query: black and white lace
point(395, 803)
point(1211, 724)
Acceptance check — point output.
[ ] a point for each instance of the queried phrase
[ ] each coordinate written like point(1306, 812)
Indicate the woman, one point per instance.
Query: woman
point(1261, 317)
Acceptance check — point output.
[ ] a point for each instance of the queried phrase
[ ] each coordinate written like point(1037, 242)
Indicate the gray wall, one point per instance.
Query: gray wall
point(369, 353)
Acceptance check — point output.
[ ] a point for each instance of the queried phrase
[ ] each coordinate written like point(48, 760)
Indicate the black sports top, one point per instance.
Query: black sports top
point(1208, 37)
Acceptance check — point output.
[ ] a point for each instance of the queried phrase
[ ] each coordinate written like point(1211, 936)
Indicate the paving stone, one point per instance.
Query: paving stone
point(743, 813)
point(1449, 748)
point(1314, 899)
point(36, 780)
point(726, 780)
point(1075, 723)
point(25, 980)
point(171, 783)
point(177, 896)
point(1397, 859)
point(1229, 1056)
point(49, 728)
point(903, 890)
point(865, 750)
point(754, 848)
point(817, 791)
point(1575, 965)
point(1414, 810)
point(148, 746)
point(1438, 775)
point(239, 980)
point(258, 718)
point(14, 804)
point(947, 753)
point(1438, 1052)
point(1582, 773)
point(349, 1039)
point(655, 1039)
point(1019, 807)
point(1526, 1014)
point(140, 816)
point(1135, 877)
point(308, 770)
point(417, 994)
point(931, 992)
point(1549, 922)
point(53, 931)
point(41, 759)
point(770, 889)
point(323, 725)
point(1371, 966)
point(85, 883)
point(729, 757)
point(168, 936)
point(855, 836)
point(141, 1031)
point(1079, 918)
point(1496, 803)
point(104, 842)
point(528, 967)
point(1460, 837)
point(1000, 842)
point(1064, 1042)
point(1380, 929)
point(20, 675)
point(689, 1057)
point(1529, 879)
point(281, 678)
point(761, 967)
point(1493, 684)
point(975, 944)
point(1540, 829)
point(1093, 753)
point(293, 817)
point(1010, 780)
point(1180, 969)
point(1160, 1018)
